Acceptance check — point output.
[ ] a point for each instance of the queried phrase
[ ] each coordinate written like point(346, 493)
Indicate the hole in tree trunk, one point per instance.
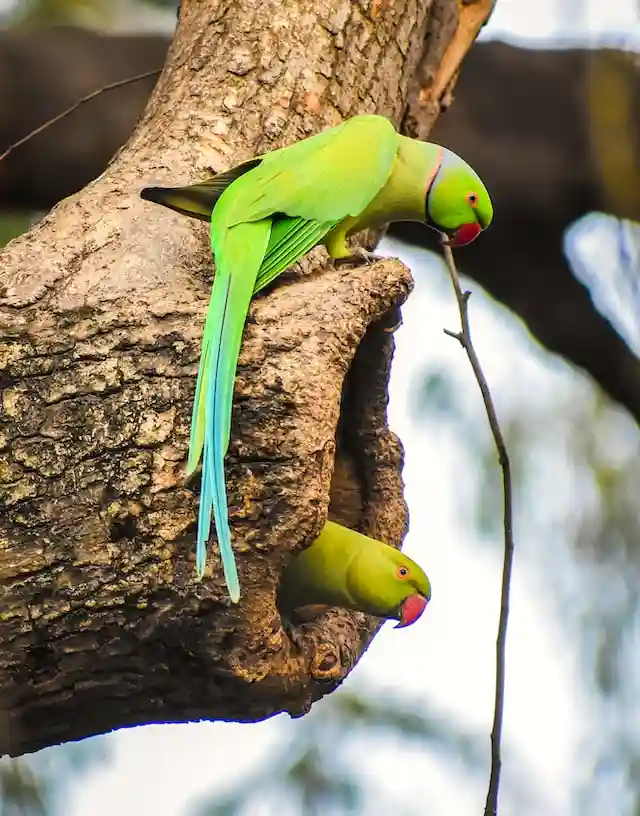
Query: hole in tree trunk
point(366, 456)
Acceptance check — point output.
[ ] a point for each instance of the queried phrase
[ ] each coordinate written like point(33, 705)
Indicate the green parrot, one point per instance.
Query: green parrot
point(267, 213)
point(347, 569)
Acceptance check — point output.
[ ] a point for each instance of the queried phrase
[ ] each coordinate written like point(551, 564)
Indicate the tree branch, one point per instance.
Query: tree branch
point(60, 116)
point(464, 338)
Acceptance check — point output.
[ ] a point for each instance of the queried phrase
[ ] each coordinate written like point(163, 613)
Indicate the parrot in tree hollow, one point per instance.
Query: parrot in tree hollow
point(267, 213)
point(345, 568)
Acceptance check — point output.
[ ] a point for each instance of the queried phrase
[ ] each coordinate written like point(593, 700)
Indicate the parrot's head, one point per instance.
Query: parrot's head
point(391, 586)
point(457, 202)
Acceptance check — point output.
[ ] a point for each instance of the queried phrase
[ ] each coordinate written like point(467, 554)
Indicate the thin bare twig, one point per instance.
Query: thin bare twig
point(75, 106)
point(464, 338)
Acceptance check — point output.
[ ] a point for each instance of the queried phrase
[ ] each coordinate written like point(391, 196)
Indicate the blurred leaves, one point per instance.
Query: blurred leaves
point(315, 773)
point(78, 12)
point(605, 255)
point(435, 395)
point(21, 791)
point(576, 458)
point(57, 12)
point(163, 3)
point(36, 785)
point(13, 225)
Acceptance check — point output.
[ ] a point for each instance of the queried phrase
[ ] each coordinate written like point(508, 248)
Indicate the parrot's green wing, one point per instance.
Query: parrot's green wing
point(325, 178)
point(291, 238)
point(317, 183)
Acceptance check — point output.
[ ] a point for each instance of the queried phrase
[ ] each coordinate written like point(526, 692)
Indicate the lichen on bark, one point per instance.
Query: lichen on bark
point(101, 310)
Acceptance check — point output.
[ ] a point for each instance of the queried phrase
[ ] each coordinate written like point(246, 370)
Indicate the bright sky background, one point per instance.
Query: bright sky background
point(583, 21)
point(448, 657)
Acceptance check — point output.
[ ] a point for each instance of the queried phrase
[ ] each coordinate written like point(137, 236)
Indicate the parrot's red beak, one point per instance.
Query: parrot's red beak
point(464, 235)
point(411, 609)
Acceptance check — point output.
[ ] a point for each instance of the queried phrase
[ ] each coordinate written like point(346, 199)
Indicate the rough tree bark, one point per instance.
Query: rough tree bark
point(100, 320)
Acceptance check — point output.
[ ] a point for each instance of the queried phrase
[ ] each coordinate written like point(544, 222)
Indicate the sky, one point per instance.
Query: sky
point(447, 658)
point(584, 21)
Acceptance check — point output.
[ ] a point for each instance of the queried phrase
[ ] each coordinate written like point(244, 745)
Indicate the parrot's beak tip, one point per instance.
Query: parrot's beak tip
point(411, 609)
point(464, 235)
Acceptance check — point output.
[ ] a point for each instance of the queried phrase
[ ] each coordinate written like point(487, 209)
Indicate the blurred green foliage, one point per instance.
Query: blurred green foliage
point(13, 225)
point(38, 785)
point(78, 12)
point(315, 775)
point(58, 12)
point(22, 791)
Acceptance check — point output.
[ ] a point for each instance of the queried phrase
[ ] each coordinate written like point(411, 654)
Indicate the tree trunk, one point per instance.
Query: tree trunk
point(101, 311)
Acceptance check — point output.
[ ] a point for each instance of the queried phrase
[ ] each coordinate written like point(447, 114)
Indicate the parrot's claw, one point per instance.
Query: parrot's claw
point(359, 255)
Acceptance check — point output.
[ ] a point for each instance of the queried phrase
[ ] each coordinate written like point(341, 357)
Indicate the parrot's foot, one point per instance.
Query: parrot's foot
point(359, 255)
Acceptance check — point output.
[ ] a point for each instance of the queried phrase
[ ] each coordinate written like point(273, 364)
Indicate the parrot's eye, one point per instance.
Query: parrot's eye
point(402, 572)
point(472, 198)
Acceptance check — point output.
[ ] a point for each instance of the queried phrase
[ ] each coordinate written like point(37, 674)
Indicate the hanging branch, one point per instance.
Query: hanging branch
point(75, 106)
point(464, 338)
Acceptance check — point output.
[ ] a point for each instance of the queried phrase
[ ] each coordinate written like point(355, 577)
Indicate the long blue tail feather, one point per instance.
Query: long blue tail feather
point(238, 258)
point(215, 448)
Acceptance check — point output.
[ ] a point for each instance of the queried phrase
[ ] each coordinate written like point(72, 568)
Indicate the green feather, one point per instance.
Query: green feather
point(326, 177)
point(239, 252)
point(248, 257)
point(291, 238)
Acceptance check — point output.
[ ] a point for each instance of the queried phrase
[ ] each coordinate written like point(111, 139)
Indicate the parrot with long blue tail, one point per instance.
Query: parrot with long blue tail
point(268, 212)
